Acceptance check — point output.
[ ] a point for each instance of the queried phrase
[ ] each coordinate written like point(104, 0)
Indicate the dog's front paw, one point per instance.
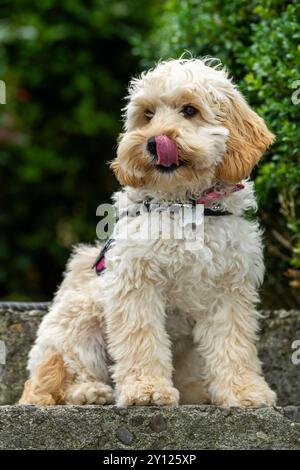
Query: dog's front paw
point(247, 392)
point(88, 393)
point(146, 391)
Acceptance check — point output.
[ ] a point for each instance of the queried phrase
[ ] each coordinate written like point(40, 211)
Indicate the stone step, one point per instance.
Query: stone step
point(279, 330)
point(183, 427)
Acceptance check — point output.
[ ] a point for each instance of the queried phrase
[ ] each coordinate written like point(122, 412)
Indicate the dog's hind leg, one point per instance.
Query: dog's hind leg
point(53, 383)
point(46, 386)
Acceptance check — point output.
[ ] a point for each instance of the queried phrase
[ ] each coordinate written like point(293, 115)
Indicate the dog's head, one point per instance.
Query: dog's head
point(187, 125)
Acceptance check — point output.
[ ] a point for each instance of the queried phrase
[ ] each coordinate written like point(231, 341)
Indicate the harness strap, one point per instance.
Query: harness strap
point(99, 264)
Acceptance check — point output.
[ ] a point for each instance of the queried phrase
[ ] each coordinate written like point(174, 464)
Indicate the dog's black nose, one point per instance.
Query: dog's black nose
point(151, 147)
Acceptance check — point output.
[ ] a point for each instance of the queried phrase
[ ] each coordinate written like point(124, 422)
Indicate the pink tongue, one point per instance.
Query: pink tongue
point(166, 149)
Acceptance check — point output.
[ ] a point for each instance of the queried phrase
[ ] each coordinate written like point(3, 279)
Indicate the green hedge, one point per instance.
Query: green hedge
point(66, 65)
point(260, 44)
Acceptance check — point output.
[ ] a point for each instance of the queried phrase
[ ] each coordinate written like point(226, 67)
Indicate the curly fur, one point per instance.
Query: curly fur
point(163, 324)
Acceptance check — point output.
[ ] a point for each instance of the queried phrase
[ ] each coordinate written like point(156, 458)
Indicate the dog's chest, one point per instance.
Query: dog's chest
point(229, 253)
point(211, 251)
point(230, 246)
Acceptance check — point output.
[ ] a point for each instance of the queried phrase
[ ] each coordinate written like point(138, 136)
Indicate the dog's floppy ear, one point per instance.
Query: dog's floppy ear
point(124, 178)
point(124, 154)
point(248, 139)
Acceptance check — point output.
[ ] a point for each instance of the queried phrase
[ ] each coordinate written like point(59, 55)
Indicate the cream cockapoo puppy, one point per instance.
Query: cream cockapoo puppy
point(163, 324)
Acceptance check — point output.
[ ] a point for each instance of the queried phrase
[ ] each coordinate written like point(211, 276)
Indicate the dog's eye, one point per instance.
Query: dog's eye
point(149, 114)
point(188, 111)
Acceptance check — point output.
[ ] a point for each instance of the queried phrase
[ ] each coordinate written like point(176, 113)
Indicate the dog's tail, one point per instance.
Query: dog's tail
point(46, 386)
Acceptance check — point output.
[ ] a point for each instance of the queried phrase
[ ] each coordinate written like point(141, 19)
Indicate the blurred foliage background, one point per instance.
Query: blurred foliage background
point(66, 65)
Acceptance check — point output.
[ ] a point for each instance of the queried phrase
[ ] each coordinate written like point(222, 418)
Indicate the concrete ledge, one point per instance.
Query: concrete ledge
point(17, 330)
point(185, 427)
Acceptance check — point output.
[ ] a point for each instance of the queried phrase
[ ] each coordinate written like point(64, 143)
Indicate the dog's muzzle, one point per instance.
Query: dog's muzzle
point(164, 152)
